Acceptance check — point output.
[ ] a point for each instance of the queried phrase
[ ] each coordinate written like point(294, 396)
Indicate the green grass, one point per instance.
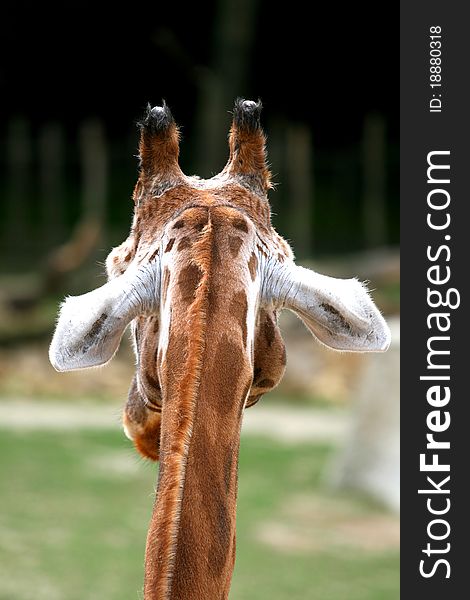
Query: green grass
point(74, 508)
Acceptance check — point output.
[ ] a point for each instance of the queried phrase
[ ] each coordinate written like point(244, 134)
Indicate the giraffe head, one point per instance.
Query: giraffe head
point(201, 279)
point(168, 218)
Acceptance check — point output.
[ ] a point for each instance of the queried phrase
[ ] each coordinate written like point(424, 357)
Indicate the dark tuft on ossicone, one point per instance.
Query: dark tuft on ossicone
point(246, 114)
point(157, 119)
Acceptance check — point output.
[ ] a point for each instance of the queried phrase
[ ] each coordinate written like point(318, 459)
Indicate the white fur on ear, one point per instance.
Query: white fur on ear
point(90, 327)
point(339, 312)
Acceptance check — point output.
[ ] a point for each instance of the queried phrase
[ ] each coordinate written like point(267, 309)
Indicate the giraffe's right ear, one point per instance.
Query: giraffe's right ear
point(338, 312)
point(90, 327)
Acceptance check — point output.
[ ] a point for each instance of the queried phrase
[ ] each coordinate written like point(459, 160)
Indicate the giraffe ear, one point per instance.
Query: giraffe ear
point(90, 327)
point(339, 312)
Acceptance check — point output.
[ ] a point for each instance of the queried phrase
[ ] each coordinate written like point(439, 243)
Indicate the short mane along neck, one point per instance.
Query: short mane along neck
point(205, 377)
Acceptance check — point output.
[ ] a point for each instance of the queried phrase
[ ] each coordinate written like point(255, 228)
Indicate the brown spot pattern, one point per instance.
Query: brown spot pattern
point(154, 255)
point(169, 246)
point(240, 223)
point(227, 371)
point(184, 243)
point(253, 266)
point(165, 283)
point(239, 310)
point(188, 282)
point(234, 243)
point(269, 331)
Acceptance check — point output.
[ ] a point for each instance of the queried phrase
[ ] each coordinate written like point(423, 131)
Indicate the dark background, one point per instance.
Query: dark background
point(327, 77)
point(421, 133)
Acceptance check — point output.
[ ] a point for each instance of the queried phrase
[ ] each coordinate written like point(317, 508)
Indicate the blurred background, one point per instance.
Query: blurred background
point(319, 492)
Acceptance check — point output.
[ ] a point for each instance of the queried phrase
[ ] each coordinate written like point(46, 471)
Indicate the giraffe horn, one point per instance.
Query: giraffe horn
point(247, 143)
point(159, 143)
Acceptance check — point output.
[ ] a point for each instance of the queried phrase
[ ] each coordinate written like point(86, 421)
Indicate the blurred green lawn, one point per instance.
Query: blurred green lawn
point(74, 508)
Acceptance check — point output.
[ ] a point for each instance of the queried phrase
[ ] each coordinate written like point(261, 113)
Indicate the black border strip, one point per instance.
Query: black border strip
point(421, 132)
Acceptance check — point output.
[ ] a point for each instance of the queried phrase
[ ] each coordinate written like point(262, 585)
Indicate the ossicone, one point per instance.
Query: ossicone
point(159, 143)
point(247, 114)
point(247, 144)
point(157, 120)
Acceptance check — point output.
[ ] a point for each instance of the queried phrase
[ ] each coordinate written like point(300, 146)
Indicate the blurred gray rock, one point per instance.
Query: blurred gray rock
point(369, 460)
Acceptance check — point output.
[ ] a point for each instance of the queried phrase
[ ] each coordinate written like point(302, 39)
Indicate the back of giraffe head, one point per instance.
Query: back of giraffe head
point(338, 312)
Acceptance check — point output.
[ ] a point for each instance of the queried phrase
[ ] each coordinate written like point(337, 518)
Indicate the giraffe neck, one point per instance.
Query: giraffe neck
point(205, 376)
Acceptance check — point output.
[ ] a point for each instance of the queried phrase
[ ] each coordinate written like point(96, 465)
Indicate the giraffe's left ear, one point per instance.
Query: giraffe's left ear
point(90, 327)
point(339, 312)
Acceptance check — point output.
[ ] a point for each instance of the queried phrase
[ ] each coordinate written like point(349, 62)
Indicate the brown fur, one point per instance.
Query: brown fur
point(169, 246)
point(248, 155)
point(142, 423)
point(239, 309)
point(188, 281)
point(159, 154)
point(235, 243)
point(179, 399)
point(269, 357)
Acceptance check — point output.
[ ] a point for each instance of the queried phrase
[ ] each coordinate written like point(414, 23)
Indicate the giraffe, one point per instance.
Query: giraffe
point(201, 280)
